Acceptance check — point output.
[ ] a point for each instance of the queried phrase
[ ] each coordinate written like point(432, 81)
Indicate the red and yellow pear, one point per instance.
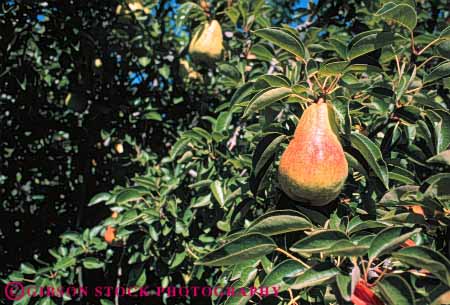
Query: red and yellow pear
point(313, 168)
point(207, 44)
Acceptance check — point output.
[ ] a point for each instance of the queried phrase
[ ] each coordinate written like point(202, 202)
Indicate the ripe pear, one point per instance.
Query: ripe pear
point(313, 168)
point(207, 44)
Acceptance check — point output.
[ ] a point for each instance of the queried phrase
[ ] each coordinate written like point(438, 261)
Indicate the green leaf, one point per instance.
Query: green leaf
point(262, 52)
point(316, 276)
point(233, 13)
point(128, 195)
point(318, 241)
point(445, 34)
point(346, 248)
point(265, 150)
point(411, 3)
point(65, 262)
point(188, 9)
point(333, 68)
point(202, 133)
point(265, 98)
point(243, 93)
point(372, 155)
point(223, 121)
point(245, 247)
point(216, 189)
point(177, 260)
point(439, 186)
point(280, 222)
point(99, 198)
point(273, 81)
point(283, 275)
point(440, 119)
point(92, 263)
point(396, 290)
point(285, 40)
point(356, 225)
point(106, 302)
point(426, 258)
point(441, 71)
point(388, 239)
point(46, 301)
point(72, 236)
point(344, 285)
point(27, 268)
point(26, 297)
point(441, 158)
point(369, 41)
point(403, 14)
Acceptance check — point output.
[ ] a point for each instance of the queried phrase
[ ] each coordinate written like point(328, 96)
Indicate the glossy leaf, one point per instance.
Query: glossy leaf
point(346, 248)
point(316, 276)
point(369, 41)
point(439, 72)
point(284, 39)
point(245, 247)
point(441, 158)
point(389, 239)
point(280, 222)
point(128, 195)
point(372, 155)
point(403, 14)
point(283, 275)
point(396, 290)
point(100, 197)
point(318, 241)
point(426, 258)
point(266, 98)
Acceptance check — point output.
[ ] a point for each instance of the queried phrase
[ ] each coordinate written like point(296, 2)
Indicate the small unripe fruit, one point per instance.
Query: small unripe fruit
point(313, 168)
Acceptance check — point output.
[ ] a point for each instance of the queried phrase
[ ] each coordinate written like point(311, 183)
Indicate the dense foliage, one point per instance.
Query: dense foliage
point(152, 175)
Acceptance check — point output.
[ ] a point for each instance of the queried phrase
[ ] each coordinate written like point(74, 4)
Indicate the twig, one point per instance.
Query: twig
point(428, 45)
point(292, 257)
point(325, 82)
point(189, 251)
point(413, 48)
point(397, 61)
point(308, 100)
point(413, 90)
point(232, 142)
point(293, 300)
point(333, 84)
point(427, 60)
point(119, 274)
point(380, 277)
point(80, 280)
point(318, 82)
